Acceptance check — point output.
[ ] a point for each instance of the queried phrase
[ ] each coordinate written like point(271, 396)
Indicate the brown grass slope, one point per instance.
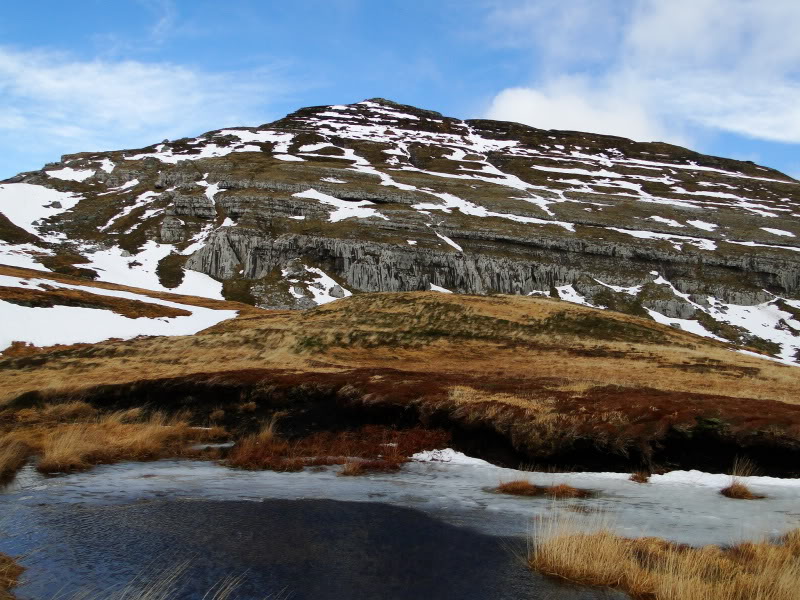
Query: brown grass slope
point(655, 569)
point(550, 379)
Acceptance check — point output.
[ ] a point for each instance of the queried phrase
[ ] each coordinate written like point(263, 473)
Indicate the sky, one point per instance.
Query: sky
point(718, 76)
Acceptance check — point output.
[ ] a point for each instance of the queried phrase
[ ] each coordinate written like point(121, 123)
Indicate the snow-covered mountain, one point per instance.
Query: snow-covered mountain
point(376, 196)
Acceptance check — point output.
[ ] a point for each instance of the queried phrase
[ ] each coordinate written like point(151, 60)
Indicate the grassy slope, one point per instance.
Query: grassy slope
point(548, 376)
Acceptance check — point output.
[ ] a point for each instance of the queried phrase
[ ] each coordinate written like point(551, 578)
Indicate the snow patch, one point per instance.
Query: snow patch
point(70, 174)
point(448, 455)
point(344, 208)
point(447, 240)
point(703, 225)
point(71, 325)
point(139, 270)
point(321, 286)
point(780, 232)
point(25, 204)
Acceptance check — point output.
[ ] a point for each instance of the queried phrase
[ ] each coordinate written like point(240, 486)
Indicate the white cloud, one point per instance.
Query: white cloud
point(68, 105)
point(716, 65)
point(573, 103)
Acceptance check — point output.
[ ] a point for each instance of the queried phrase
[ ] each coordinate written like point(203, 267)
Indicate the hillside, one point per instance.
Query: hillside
point(379, 197)
point(517, 380)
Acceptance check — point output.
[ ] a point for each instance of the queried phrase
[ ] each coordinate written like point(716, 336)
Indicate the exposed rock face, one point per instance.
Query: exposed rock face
point(377, 196)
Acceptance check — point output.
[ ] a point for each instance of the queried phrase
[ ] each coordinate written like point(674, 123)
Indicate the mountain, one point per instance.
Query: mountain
point(377, 196)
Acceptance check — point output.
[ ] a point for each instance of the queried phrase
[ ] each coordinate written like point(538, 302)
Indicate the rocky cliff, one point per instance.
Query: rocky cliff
point(376, 196)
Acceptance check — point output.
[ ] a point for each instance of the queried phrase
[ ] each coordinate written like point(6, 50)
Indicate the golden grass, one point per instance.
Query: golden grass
point(518, 487)
point(9, 576)
point(523, 487)
point(640, 476)
point(739, 491)
point(74, 436)
point(13, 455)
point(163, 584)
point(354, 468)
point(363, 332)
point(481, 361)
point(562, 490)
point(655, 569)
point(133, 309)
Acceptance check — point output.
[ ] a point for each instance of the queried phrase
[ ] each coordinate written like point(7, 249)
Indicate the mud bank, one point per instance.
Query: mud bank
point(314, 402)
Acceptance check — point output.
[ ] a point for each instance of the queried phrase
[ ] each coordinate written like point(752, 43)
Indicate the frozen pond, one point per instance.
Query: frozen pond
point(433, 530)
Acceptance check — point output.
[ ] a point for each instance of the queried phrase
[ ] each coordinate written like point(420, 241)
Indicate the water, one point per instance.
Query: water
point(433, 530)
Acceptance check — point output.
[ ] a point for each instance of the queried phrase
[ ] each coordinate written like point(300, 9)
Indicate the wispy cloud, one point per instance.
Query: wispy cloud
point(166, 18)
point(54, 101)
point(647, 67)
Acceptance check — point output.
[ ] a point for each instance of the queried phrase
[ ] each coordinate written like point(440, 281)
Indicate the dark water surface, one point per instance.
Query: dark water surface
point(309, 549)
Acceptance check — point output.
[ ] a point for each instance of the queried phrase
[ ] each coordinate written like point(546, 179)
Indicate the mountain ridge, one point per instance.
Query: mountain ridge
point(379, 196)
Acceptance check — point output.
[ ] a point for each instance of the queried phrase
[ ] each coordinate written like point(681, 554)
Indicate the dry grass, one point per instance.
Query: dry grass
point(401, 330)
point(74, 436)
point(13, 455)
point(655, 569)
point(523, 487)
point(9, 576)
point(133, 309)
point(743, 467)
point(519, 487)
point(375, 447)
point(640, 476)
point(363, 467)
point(164, 584)
point(739, 491)
point(481, 361)
point(562, 490)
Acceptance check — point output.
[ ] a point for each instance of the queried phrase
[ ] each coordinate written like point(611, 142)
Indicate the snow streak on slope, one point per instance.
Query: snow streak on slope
point(46, 326)
point(114, 265)
point(26, 205)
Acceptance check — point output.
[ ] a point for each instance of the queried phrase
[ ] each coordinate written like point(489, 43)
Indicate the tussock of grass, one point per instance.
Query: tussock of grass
point(520, 487)
point(640, 476)
point(655, 569)
point(739, 491)
point(13, 455)
point(372, 443)
point(9, 576)
point(523, 487)
point(363, 467)
point(562, 490)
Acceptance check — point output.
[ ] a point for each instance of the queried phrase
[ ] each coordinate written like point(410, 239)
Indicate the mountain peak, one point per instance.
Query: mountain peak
point(335, 200)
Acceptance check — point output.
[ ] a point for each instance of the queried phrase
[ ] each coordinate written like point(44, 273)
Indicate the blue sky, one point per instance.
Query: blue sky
point(719, 76)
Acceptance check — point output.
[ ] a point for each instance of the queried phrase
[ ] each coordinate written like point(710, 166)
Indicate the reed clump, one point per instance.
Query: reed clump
point(656, 569)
